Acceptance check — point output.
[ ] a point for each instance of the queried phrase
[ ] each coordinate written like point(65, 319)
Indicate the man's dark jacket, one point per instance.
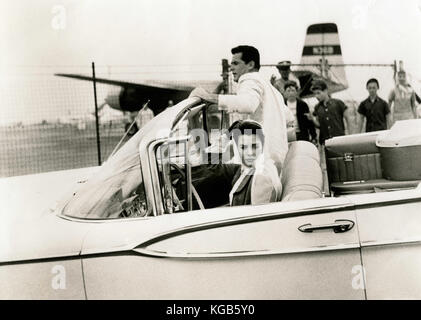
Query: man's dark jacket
point(242, 195)
point(214, 183)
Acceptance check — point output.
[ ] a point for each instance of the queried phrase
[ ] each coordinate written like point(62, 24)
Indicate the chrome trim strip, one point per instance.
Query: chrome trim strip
point(97, 221)
point(147, 180)
point(154, 171)
point(244, 253)
point(46, 259)
point(376, 243)
point(159, 206)
point(184, 112)
point(385, 203)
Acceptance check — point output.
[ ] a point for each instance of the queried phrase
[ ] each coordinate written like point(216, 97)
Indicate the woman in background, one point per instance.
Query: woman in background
point(403, 99)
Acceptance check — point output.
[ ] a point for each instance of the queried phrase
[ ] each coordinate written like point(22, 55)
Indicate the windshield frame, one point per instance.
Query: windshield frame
point(153, 166)
point(147, 137)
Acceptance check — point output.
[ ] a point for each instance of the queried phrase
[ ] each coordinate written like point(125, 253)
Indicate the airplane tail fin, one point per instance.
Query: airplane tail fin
point(322, 46)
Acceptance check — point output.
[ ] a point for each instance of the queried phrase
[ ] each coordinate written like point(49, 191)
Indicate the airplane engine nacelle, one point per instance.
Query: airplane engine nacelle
point(131, 99)
point(125, 99)
point(113, 99)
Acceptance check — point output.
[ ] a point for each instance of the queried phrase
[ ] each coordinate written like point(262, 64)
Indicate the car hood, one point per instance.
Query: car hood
point(28, 228)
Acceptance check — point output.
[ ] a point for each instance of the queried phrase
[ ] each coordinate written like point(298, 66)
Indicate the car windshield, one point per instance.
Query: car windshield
point(116, 191)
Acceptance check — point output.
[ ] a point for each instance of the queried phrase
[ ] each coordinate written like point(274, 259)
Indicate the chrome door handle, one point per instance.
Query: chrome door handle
point(338, 226)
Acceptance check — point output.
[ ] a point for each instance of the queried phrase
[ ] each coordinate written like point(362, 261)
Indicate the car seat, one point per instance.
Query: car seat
point(301, 175)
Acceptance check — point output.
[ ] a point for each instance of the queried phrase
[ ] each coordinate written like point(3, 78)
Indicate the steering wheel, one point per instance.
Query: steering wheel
point(194, 191)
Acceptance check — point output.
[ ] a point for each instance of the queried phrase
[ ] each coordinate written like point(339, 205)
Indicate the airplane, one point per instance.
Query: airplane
point(145, 225)
point(321, 50)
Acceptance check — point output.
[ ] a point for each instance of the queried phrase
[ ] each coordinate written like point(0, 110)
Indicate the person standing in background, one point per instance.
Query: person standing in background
point(374, 110)
point(402, 100)
point(304, 128)
point(284, 68)
point(144, 116)
point(329, 114)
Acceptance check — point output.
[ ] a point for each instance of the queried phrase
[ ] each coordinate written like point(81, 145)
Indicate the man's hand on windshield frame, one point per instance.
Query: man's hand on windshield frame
point(204, 95)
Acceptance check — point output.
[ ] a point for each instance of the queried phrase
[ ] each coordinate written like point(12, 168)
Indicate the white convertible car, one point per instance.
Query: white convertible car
point(151, 223)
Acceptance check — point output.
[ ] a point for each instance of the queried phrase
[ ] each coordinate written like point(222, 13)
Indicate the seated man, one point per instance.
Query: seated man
point(257, 180)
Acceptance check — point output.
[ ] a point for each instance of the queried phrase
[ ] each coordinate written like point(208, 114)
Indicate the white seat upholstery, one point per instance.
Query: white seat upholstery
point(302, 176)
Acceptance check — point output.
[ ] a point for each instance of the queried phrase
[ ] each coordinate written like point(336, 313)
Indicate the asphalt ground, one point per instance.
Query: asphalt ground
point(42, 148)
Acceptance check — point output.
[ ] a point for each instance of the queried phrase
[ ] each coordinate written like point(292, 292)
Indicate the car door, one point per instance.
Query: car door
point(390, 231)
point(297, 250)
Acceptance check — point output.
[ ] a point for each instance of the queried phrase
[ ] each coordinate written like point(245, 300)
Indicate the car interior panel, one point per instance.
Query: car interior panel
point(355, 165)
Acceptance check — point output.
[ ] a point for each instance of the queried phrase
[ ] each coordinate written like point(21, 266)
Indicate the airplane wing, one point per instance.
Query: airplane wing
point(133, 95)
point(149, 86)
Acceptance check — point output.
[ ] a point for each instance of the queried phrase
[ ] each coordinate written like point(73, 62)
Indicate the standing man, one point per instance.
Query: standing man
point(374, 110)
point(284, 68)
point(304, 128)
point(256, 97)
point(403, 99)
point(329, 114)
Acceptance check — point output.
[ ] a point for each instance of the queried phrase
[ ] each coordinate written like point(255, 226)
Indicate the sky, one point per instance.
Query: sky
point(186, 39)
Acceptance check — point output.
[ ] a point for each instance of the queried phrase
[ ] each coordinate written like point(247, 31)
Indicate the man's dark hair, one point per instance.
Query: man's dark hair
point(248, 127)
point(248, 53)
point(373, 80)
point(318, 85)
point(290, 83)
